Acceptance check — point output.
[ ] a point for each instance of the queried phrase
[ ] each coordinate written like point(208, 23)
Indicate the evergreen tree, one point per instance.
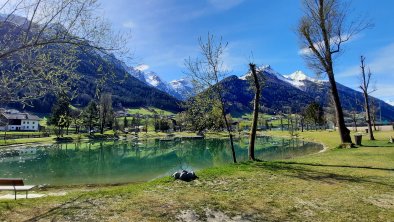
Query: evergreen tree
point(90, 116)
point(106, 113)
point(125, 122)
point(314, 114)
point(60, 116)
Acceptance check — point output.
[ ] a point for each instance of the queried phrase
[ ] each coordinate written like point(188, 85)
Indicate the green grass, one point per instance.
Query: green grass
point(246, 120)
point(8, 142)
point(336, 185)
point(19, 133)
point(149, 111)
point(53, 139)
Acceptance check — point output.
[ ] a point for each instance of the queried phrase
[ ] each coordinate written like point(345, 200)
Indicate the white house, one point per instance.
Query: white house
point(16, 121)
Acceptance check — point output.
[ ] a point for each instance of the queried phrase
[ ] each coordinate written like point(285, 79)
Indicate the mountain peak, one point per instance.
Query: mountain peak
point(262, 68)
point(298, 76)
point(180, 89)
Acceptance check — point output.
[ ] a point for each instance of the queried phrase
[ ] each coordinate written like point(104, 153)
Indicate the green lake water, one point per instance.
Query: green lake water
point(134, 161)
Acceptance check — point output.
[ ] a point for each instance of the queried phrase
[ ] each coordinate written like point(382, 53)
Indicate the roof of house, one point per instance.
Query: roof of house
point(21, 116)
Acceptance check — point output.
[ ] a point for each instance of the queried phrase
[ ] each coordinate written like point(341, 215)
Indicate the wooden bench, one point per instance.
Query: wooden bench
point(14, 184)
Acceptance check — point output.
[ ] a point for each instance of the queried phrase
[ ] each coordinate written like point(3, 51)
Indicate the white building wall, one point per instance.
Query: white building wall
point(26, 125)
point(29, 125)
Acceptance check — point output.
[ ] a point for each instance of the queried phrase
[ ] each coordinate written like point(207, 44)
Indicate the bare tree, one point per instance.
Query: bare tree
point(105, 111)
point(374, 109)
point(323, 30)
point(354, 111)
point(353, 115)
point(256, 107)
point(38, 44)
point(365, 81)
point(207, 71)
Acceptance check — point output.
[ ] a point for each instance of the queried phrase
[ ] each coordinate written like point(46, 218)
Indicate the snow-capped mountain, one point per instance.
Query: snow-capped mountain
point(295, 90)
point(180, 89)
point(183, 87)
point(298, 79)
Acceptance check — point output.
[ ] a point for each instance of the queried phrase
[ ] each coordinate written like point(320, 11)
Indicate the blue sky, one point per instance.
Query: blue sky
point(165, 32)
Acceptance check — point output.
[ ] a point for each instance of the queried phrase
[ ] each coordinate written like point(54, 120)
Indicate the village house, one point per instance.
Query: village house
point(13, 120)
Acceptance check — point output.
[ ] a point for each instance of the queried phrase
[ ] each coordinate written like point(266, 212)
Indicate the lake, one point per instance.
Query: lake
point(134, 161)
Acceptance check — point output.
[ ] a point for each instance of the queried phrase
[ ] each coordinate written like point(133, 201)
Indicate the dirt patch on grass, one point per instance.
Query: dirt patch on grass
point(385, 201)
point(208, 215)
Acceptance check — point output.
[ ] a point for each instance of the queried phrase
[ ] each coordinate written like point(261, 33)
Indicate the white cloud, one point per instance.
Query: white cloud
point(128, 24)
point(225, 4)
point(333, 41)
point(382, 63)
point(142, 67)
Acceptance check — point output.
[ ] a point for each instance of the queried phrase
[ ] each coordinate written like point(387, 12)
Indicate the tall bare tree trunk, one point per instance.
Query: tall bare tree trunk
point(344, 132)
point(323, 29)
point(364, 87)
point(370, 132)
point(252, 138)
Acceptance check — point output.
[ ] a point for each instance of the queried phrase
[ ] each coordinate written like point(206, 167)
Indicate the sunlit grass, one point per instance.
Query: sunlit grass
point(149, 111)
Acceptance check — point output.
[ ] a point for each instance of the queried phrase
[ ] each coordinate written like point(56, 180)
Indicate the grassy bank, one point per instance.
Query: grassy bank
point(107, 135)
point(337, 185)
point(54, 139)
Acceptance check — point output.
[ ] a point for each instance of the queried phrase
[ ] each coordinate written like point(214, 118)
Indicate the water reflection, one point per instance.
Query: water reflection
point(129, 161)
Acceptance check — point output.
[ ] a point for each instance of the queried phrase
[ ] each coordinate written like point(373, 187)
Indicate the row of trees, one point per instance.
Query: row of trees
point(100, 115)
point(97, 114)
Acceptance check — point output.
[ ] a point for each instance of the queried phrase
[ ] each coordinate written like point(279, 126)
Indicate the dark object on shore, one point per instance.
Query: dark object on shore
point(185, 175)
point(358, 138)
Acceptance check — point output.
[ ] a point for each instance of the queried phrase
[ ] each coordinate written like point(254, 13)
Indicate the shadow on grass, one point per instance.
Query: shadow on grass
point(66, 208)
point(376, 146)
point(339, 166)
point(308, 171)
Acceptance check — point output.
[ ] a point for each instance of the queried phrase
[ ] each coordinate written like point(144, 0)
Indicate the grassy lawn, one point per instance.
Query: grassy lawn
point(20, 133)
point(27, 140)
point(336, 185)
point(54, 139)
point(149, 111)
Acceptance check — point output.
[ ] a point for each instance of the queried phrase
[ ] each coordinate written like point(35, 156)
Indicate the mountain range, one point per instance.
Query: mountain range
point(181, 89)
point(292, 93)
point(281, 93)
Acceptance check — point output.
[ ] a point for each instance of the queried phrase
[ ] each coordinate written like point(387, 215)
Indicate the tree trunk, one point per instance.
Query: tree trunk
point(102, 128)
point(230, 135)
point(253, 130)
point(281, 124)
point(364, 88)
point(90, 126)
point(355, 125)
point(366, 99)
point(344, 132)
